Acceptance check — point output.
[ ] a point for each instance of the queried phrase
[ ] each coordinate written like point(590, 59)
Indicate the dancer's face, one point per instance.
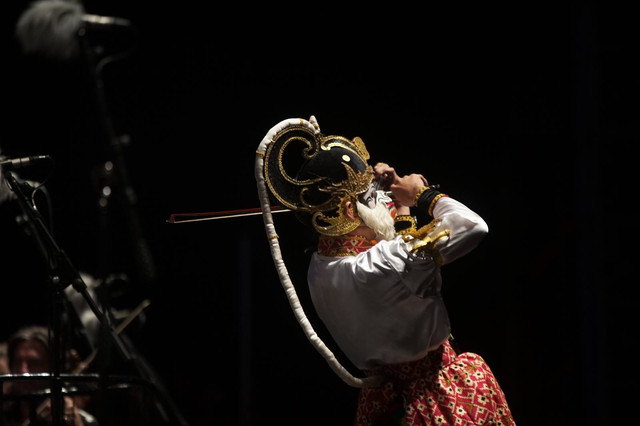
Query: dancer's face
point(377, 211)
point(376, 195)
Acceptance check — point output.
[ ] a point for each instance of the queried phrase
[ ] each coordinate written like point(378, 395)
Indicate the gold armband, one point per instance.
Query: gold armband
point(433, 203)
point(404, 224)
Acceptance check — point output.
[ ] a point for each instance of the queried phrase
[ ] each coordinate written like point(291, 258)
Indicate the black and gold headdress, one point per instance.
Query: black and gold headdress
point(311, 174)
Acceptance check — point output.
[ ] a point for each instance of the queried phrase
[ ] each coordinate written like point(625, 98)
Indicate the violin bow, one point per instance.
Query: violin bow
point(224, 214)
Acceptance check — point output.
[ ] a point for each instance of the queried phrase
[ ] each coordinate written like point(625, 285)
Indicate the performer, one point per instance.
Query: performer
point(375, 278)
point(28, 354)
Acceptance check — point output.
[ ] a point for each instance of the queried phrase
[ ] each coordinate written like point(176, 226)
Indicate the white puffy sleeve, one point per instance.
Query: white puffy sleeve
point(466, 229)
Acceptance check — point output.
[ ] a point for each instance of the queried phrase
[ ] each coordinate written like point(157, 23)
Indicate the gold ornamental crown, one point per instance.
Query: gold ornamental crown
point(313, 174)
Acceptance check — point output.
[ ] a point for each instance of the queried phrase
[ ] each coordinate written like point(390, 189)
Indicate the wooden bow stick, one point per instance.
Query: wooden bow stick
point(132, 315)
point(224, 214)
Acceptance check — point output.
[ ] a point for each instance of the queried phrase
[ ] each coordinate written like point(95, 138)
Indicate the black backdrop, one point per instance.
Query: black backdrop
point(527, 113)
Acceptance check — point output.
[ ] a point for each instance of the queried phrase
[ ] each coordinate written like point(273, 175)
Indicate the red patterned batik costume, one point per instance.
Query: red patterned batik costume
point(440, 389)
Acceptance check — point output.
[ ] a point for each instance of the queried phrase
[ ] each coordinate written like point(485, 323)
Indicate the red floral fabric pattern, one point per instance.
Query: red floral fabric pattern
point(441, 389)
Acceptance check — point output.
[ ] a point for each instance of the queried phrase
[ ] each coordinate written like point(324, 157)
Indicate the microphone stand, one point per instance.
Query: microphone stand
point(116, 167)
point(62, 273)
point(142, 253)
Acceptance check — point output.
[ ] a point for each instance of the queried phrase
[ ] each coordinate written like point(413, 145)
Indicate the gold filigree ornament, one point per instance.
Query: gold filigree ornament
point(423, 241)
point(356, 184)
point(314, 174)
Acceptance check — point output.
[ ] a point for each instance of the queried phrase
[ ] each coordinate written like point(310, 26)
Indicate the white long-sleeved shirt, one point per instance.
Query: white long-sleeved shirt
point(384, 305)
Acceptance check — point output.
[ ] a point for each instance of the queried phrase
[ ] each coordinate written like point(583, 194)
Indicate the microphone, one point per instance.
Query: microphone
point(9, 165)
point(104, 21)
point(19, 163)
point(51, 27)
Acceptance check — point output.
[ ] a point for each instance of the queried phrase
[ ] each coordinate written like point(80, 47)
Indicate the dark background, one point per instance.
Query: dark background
point(527, 113)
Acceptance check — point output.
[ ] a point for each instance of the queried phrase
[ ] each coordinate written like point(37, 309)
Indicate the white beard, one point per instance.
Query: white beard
point(379, 219)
